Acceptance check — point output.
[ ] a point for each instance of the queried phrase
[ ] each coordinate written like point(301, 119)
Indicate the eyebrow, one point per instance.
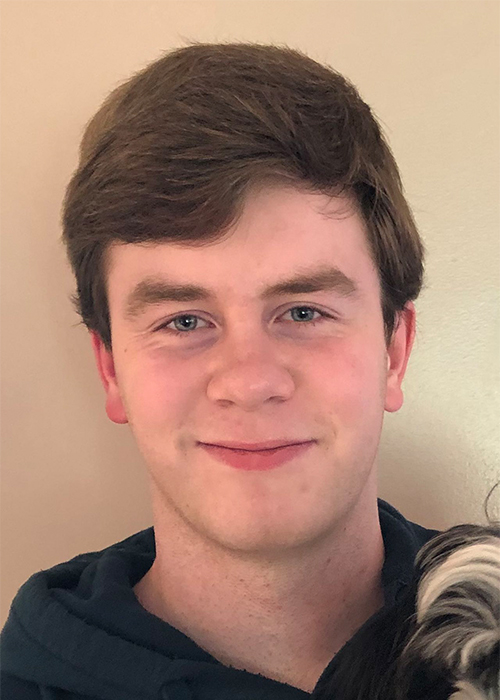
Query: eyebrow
point(152, 291)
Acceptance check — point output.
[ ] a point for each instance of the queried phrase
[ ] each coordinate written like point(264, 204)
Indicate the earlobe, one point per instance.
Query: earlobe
point(398, 354)
point(115, 408)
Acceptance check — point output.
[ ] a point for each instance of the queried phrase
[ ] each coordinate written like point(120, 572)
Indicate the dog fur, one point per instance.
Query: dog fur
point(441, 641)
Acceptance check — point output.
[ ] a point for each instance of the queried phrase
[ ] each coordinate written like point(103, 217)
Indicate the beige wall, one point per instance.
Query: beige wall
point(72, 481)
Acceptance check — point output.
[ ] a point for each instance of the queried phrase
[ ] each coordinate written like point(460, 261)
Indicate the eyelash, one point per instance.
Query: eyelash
point(164, 327)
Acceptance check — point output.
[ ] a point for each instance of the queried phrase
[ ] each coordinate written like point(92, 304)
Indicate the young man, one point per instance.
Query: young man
point(246, 264)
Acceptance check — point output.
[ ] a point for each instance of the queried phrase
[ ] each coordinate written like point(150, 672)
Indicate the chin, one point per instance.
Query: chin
point(266, 534)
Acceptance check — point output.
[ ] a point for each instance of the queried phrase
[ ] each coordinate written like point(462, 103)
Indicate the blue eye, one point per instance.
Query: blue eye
point(186, 322)
point(189, 322)
point(189, 326)
point(301, 319)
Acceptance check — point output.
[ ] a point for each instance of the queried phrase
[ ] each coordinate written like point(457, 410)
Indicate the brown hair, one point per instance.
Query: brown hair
point(171, 154)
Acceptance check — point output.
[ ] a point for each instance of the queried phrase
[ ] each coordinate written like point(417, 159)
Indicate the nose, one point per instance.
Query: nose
point(250, 375)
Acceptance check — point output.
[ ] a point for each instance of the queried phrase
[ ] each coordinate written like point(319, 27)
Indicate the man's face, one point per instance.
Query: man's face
point(301, 364)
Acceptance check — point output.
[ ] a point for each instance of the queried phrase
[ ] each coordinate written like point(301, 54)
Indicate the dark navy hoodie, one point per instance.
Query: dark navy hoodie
point(77, 631)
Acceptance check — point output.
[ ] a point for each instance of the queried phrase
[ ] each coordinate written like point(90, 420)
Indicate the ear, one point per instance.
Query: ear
point(106, 367)
point(398, 354)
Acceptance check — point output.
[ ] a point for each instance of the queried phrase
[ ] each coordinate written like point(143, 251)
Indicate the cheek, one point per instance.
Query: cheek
point(156, 391)
point(354, 381)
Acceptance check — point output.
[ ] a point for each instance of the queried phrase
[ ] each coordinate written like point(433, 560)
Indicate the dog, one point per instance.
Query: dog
point(441, 640)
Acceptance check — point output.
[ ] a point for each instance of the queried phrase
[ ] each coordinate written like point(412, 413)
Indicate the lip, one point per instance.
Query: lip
point(257, 460)
point(256, 446)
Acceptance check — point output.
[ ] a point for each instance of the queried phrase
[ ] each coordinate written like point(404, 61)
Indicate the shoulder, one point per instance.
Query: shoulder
point(49, 616)
point(14, 687)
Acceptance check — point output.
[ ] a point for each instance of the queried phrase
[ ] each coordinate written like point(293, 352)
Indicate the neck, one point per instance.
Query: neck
point(284, 619)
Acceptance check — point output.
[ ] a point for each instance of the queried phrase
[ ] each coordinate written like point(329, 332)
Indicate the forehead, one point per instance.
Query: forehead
point(280, 232)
